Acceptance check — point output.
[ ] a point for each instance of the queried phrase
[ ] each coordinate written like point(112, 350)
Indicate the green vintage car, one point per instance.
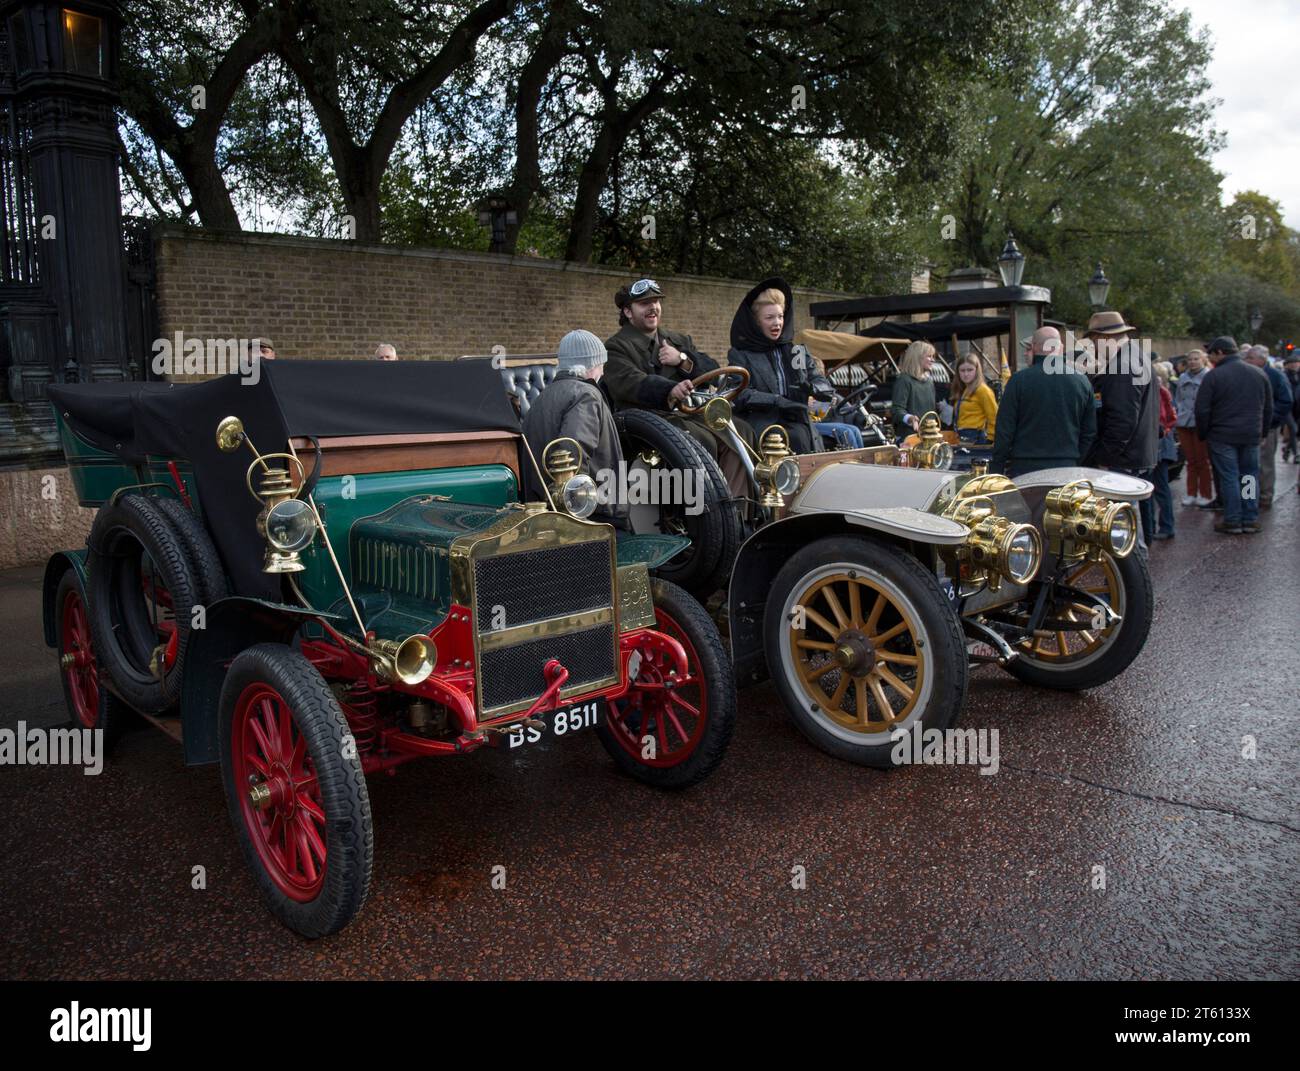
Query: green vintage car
point(325, 571)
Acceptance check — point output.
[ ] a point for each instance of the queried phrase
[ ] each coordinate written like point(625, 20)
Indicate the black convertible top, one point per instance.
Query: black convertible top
point(293, 398)
point(943, 328)
point(288, 399)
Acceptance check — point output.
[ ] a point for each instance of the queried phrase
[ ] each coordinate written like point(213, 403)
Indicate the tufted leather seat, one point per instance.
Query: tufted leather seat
point(526, 382)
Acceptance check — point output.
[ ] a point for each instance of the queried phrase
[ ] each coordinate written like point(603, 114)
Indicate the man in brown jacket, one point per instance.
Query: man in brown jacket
point(651, 368)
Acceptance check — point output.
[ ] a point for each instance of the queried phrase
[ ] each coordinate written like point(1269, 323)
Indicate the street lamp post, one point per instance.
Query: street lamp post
point(494, 212)
point(1022, 317)
point(1098, 288)
point(1256, 319)
point(1011, 262)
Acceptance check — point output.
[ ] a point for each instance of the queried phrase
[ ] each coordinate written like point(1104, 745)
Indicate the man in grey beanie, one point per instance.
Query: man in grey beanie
point(573, 407)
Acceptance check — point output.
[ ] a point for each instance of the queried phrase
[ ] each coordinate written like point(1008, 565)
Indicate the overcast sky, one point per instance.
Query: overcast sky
point(1256, 74)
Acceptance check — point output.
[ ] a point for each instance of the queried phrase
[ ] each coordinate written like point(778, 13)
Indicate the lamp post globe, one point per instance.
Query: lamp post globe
point(1098, 288)
point(1011, 262)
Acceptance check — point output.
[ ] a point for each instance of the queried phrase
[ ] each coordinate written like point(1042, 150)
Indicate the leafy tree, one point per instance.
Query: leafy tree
point(183, 71)
point(1258, 242)
point(1222, 306)
point(1091, 146)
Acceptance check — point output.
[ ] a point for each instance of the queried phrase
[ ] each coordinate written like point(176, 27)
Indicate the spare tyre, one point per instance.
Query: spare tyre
point(714, 530)
point(205, 563)
point(142, 589)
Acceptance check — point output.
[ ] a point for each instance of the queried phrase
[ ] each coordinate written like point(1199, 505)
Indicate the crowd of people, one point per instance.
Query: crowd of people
point(1223, 411)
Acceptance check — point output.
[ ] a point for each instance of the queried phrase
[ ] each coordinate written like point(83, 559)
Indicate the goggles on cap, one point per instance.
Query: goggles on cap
point(638, 288)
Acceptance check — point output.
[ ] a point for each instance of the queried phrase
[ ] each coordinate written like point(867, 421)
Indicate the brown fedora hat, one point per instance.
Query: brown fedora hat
point(1108, 323)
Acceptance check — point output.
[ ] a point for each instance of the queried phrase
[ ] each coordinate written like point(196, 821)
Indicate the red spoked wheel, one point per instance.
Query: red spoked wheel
point(671, 730)
point(90, 704)
point(295, 789)
point(162, 612)
point(281, 808)
point(664, 714)
point(77, 658)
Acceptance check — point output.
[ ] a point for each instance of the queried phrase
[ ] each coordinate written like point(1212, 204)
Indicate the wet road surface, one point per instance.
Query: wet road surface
point(928, 872)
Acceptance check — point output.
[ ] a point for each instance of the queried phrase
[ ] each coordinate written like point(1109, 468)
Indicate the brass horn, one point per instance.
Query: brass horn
point(409, 661)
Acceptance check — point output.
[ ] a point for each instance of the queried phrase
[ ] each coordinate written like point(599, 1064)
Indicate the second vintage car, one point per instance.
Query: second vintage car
point(866, 583)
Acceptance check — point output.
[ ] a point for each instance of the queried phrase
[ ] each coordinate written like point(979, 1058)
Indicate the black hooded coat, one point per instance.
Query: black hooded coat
point(780, 381)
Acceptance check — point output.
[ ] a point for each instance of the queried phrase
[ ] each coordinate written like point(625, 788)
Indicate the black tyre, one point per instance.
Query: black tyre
point(90, 705)
point(205, 563)
point(861, 641)
point(671, 732)
point(1070, 661)
point(715, 533)
point(295, 790)
point(142, 592)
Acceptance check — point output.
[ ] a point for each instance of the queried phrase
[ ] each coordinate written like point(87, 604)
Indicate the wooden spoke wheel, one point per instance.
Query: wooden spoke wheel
point(861, 642)
point(90, 704)
point(1100, 578)
point(857, 656)
point(1084, 657)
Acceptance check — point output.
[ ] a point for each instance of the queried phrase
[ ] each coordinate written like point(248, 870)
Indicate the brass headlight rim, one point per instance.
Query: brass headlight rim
point(1004, 559)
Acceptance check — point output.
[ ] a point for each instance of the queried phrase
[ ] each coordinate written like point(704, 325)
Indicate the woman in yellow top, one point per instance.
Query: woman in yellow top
point(975, 409)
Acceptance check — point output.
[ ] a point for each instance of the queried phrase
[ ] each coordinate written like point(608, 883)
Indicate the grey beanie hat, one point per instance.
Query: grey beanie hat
point(581, 349)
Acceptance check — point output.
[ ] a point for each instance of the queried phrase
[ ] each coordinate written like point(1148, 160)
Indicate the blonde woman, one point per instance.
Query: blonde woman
point(913, 395)
point(974, 407)
point(780, 380)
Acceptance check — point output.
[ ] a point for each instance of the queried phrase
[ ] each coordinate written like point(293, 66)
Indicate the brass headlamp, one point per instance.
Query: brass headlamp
point(996, 548)
point(573, 491)
point(409, 661)
point(286, 522)
point(932, 452)
point(778, 472)
point(1081, 524)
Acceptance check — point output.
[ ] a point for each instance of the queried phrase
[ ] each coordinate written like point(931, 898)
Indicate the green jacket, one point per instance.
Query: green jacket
point(1047, 418)
point(635, 379)
point(914, 396)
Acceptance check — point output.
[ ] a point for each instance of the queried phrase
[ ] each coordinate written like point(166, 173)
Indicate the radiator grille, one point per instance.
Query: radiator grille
point(512, 676)
point(539, 584)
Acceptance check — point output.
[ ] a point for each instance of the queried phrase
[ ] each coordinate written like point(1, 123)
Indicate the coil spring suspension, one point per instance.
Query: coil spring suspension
point(361, 707)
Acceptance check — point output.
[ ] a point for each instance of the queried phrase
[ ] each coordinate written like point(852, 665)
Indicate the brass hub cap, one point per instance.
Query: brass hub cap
point(857, 656)
point(855, 652)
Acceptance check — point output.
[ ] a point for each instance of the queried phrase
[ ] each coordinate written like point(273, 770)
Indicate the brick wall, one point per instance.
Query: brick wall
point(325, 299)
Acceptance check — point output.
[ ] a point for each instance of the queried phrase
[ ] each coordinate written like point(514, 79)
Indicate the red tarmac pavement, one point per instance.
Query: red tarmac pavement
point(923, 872)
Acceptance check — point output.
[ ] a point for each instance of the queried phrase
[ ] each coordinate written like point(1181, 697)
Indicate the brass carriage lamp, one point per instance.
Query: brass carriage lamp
point(778, 471)
point(1080, 524)
point(286, 522)
point(1011, 262)
point(573, 491)
point(932, 452)
point(1098, 288)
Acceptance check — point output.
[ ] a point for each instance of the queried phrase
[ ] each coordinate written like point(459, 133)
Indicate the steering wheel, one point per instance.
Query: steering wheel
point(731, 394)
point(855, 397)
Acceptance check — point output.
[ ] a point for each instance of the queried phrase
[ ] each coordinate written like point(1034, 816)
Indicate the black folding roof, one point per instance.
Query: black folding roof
point(864, 308)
